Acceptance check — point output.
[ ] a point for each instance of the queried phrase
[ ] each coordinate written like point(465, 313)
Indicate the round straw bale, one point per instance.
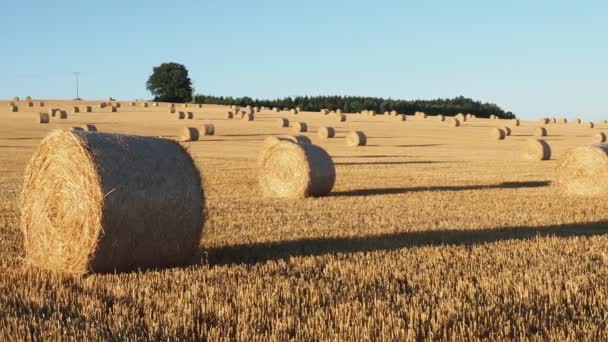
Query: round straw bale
point(544, 121)
point(537, 149)
point(289, 170)
point(102, 203)
point(492, 117)
point(460, 117)
point(298, 127)
point(275, 109)
point(584, 171)
point(16, 98)
point(515, 122)
point(181, 115)
point(590, 125)
point(14, 109)
point(62, 114)
point(400, 117)
point(293, 111)
point(43, 118)
point(562, 121)
point(394, 112)
point(248, 117)
point(30, 104)
point(599, 138)
point(507, 130)
point(28, 98)
point(185, 105)
point(440, 118)
point(387, 113)
point(282, 122)
point(77, 128)
point(578, 120)
point(144, 104)
point(208, 129)
point(340, 117)
point(53, 111)
point(171, 110)
point(75, 109)
point(155, 104)
point(469, 116)
point(189, 134)
point(454, 122)
point(114, 109)
point(338, 111)
point(133, 104)
point(229, 115)
point(326, 132)
point(41, 103)
point(356, 138)
point(540, 132)
point(102, 105)
point(87, 109)
point(190, 115)
point(497, 133)
point(372, 112)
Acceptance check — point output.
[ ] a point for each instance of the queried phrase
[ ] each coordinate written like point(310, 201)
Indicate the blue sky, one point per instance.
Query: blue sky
point(535, 58)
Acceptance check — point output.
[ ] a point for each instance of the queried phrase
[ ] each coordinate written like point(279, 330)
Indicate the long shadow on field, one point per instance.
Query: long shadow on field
point(393, 163)
point(261, 252)
point(393, 191)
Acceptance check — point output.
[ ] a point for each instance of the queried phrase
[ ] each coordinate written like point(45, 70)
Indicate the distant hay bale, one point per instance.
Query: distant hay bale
point(114, 109)
point(578, 120)
point(338, 111)
point(133, 104)
point(200, 105)
point(117, 105)
point(282, 122)
point(393, 112)
point(53, 111)
point(400, 117)
point(77, 128)
point(90, 128)
point(599, 138)
point(562, 121)
point(87, 109)
point(43, 118)
point(387, 113)
point(340, 117)
point(440, 118)
point(181, 115)
point(324, 111)
point(208, 129)
point(356, 138)
point(14, 109)
point(104, 203)
point(469, 116)
point(540, 132)
point(454, 122)
point(553, 120)
point(30, 104)
point(507, 130)
point(492, 117)
point(590, 125)
point(326, 132)
point(75, 109)
point(293, 111)
point(188, 134)
point(16, 99)
point(420, 115)
point(229, 115)
point(248, 117)
point(584, 171)
point(184, 105)
point(299, 127)
point(275, 109)
point(289, 170)
point(41, 103)
point(155, 104)
point(102, 105)
point(515, 122)
point(537, 150)
point(460, 117)
point(189, 115)
point(144, 104)
point(544, 121)
point(497, 133)
point(62, 114)
point(28, 98)
point(256, 109)
point(171, 110)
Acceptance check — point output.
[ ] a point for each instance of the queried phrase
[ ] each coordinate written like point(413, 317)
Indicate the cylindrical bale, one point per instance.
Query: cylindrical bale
point(75, 109)
point(298, 127)
point(133, 104)
point(599, 138)
point(497, 133)
point(43, 118)
point(469, 116)
point(515, 122)
point(540, 132)
point(190, 115)
point(139, 204)
point(87, 109)
point(102, 105)
point(326, 132)
point(282, 122)
point(393, 112)
point(461, 117)
point(562, 121)
point(30, 104)
point(188, 134)
point(356, 138)
point(144, 104)
point(289, 170)
point(340, 117)
point(537, 149)
point(544, 121)
point(14, 109)
point(387, 113)
point(28, 98)
point(275, 109)
point(553, 120)
point(62, 114)
point(440, 118)
point(184, 105)
point(293, 111)
point(229, 115)
point(455, 122)
point(400, 117)
point(590, 125)
point(208, 129)
point(114, 109)
point(507, 130)
point(53, 112)
point(584, 171)
point(578, 121)
point(248, 117)
point(16, 98)
point(338, 111)
point(77, 128)
point(172, 110)
point(492, 117)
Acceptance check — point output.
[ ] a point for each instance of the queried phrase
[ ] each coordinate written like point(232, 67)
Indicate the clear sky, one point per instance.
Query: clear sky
point(535, 58)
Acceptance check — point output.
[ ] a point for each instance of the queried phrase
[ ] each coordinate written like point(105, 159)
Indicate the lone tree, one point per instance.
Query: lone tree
point(169, 82)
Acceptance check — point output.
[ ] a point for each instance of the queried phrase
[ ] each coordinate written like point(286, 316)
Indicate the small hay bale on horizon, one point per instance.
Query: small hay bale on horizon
point(454, 122)
point(208, 129)
point(507, 130)
point(229, 115)
point(190, 115)
point(340, 117)
point(181, 115)
point(515, 122)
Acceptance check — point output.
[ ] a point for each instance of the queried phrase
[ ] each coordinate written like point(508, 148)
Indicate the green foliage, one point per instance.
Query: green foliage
point(351, 104)
point(169, 82)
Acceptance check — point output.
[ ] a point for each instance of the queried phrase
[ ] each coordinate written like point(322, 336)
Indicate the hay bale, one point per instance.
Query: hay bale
point(440, 118)
point(75, 109)
point(298, 127)
point(208, 129)
point(43, 118)
point(289, 170)
point(372, 112)
point(229, 115)
point(553, 120)
point(77, 128)
point(171, 110)
point(41, 103)
point(469, 116)
point(599, 138)
point(400, 117)
point(562, 121)
point(16, 99)
point(540, 132)
point(257, 109)
point(188, 134)
point(590, 125)
point(507, 130)
point(181, 115)
point(139, 204)
point(144, 104)
point(282, 122)
point(14, 109)
point(537, 150)
point(114, 109)
point(90, 128)
point(393, 112)
point(293, 111)
point(584, 171)
point(87, 109)
point(497, 133)
point(492, 117)
point(544, 121)
point(30, 104)
point(340, 117)
point(326, 132)
point(190, 115)
point(53, 111)
point(515, 122)
point(247, 117)
point(387, 113)
point(461, 117)
point(62, 114)
point(102, 105)
point(200, 105)
point(155, 104)
point(133, 104)
point(578, 121)
point(324, 111)
point(275, 109)
point(184, 105)
point(28, 98)
point(454, 122)
point(356, 138)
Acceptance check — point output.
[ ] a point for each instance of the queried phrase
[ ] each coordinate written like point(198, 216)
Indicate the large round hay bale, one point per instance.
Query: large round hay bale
point(208, 129)
point(584, 171)
point(599, 138)
point(43, 118)
point(338, 111)
point(41, 103)
point(298, 127)
point(515, 122)
point(181, 115)
point(497, 133)
point(229, 115)
point(53, 112)
point(282, 122)
point(507, 130)
point(114, 109)
point(393, 112)
point(102, 203)
point(356, 138)
point(293, 111)
point(326, 132)
point(537, 150)
point(454, 122)
point(371, 112)
point(540, 132)
point(296, 139)
point(275, 109)
point(188, 134)
point(340, 117)
point(190, 115)
point(289, 170)
point(460, 117)
point(102, 105)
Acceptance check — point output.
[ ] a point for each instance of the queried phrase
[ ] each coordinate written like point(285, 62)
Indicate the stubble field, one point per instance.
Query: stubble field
point(430, 232)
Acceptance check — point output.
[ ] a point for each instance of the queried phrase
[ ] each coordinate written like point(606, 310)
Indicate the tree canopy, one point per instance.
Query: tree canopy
point(169, 82)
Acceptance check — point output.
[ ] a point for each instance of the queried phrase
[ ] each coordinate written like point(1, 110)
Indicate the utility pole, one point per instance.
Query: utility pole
point(76, 76)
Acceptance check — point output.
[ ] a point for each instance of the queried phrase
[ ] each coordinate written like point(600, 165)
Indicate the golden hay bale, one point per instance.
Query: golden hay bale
point(298, 127)
point(469, 116)
point(282, 122)
point(133, 104)
point(540, 132)
point(590, 125)
point(16, 98)
point(184, 105)
point(515, 122)
point(41, 103)
point(53, 111)
point(553, 120)
point(454, 122)
point(75, 109)
point(14, 109)
point(208, 129)
point(155, 104)
point(189, 134)
point(102, 105)
point(340, 117)
point(338, 111)
point(77, 128)
point(460, 117)
point(440, 118)
point(102, 203)
point(492, 117)
point(257, 109)
point(537, 150)
point(400, 117)
point(144, 104)
point(393, 112)
point(117, 105)
point(114, 109)
point(497, 133)
point(28, 98)
point(599, 138)
point(171, 110)
point(507, 130)
point(30, 104)
point(387, 113)
point(275, 109)
point(324, 111)
point(181, 115)
point(356, 138)
point(247, 117)
point(229, 115)
point(289, 170)
point(578, 121)
point(43, 118)
point(584, 171)
point(293, 111)
point(326, 132)
point(171, 105)
point(544, 121)
point(62, 114)
point(190, 115)
point(87, 109)
point(372, 112)
point(562, 121)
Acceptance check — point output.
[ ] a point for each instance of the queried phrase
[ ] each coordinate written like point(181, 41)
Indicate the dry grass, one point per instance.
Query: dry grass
point(507, 256)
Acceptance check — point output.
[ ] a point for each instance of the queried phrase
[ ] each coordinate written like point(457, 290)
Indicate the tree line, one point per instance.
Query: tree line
point(353, 104)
